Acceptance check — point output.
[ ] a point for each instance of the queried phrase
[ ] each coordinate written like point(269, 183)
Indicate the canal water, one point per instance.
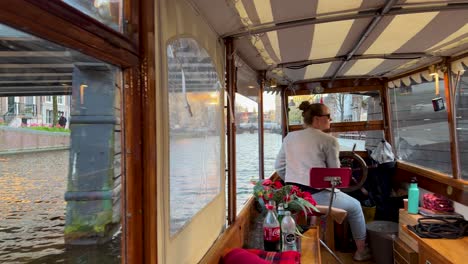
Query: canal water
point(32, 213)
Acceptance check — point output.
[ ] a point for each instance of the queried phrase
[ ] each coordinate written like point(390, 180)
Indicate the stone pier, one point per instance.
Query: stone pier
point(93, 190)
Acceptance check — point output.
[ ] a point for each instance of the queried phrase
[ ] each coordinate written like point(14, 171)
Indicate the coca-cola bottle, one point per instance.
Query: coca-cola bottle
point(271, 230)
point(273, 203)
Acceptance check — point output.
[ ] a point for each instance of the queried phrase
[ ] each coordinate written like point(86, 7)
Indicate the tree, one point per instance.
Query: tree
point(340, 100)
point(54, 111)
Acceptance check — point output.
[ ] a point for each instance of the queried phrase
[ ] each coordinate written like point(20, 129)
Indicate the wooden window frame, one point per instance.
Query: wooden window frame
point(134, 53)
point(342, 86)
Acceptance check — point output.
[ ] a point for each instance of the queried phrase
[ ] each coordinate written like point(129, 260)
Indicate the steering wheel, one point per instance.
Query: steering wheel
point(358, 167)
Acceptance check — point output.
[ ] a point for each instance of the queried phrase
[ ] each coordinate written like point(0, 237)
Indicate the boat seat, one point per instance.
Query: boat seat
point(336, 215)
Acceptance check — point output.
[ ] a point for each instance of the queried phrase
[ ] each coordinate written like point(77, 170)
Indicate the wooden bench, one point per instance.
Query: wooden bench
point(327, 227)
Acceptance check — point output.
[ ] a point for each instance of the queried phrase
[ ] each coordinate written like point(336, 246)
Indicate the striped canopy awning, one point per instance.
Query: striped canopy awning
point(304, 40)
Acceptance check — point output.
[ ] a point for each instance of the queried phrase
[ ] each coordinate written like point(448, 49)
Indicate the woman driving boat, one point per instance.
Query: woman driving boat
point(312, 147)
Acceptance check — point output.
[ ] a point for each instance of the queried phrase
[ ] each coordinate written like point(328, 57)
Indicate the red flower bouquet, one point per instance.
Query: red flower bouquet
point(290, 196)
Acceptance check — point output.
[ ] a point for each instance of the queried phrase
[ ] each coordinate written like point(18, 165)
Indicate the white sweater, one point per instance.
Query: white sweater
point(304, 149)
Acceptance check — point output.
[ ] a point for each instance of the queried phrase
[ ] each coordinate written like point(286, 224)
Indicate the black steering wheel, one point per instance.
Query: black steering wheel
point(358, 167)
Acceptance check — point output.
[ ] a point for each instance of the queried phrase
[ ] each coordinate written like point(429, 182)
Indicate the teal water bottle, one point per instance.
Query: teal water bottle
point(413, 197)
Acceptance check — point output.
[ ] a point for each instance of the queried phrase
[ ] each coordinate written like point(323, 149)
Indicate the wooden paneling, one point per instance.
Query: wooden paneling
point(132, 203)
point(234, 236)
point(441, 250)
point(343, 85)
point(310, 247)
point(349, 126)
point(387, 115)
point(454, 153)
point(357, 126)
point(404, 254)
point(148, 125)
point(428, 255)
point(304, 90)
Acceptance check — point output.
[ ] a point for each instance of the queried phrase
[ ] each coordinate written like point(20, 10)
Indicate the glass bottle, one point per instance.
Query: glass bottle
point(280, 218)
point(271, 230)
point(273, 203)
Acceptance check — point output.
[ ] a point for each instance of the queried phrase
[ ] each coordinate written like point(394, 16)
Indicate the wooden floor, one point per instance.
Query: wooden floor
point(347, 258)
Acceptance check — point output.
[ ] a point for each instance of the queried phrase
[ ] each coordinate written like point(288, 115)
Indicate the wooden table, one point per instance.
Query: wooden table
point(441, 250)
point(310, 247)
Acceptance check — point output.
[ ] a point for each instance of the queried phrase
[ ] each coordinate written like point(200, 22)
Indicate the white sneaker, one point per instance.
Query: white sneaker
point(362, 256)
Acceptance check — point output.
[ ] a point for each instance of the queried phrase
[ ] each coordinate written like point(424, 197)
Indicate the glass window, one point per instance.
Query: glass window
point(195, 120)
point(29, 100)
point(272, 126)
point(343, 108)
point(58, 186)
point(461, 104)
point(247, 155)
point(49, 115)
point(108, 12)
point(421, 134)
point(59, 99)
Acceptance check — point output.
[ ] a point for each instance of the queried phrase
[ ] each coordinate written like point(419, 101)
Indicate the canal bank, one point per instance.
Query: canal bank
point(24, 140)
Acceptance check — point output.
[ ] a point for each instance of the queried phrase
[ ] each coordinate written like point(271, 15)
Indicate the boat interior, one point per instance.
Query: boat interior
point(391, 71)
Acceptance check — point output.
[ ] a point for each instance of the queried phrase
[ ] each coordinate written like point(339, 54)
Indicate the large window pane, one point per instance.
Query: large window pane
point(195, 120)
point(343, 108)
point(421, 134)
point(247, 155)
point(108, 12)
point(272, 126)
point(60, 186)
point(461, 103)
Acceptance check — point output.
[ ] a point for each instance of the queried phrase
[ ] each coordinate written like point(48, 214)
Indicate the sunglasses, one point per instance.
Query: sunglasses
point(327, 115)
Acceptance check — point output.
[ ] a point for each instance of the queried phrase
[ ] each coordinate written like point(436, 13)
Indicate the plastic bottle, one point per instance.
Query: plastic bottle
point(288, 229)
point(280, 218)
point(271, 230)
point(413, 197)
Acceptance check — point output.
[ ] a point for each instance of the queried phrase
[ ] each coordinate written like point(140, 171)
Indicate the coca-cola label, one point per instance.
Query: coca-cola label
point(271, 234)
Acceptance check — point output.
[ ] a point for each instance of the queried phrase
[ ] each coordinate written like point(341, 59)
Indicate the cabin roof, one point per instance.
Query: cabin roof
point(306, 40)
